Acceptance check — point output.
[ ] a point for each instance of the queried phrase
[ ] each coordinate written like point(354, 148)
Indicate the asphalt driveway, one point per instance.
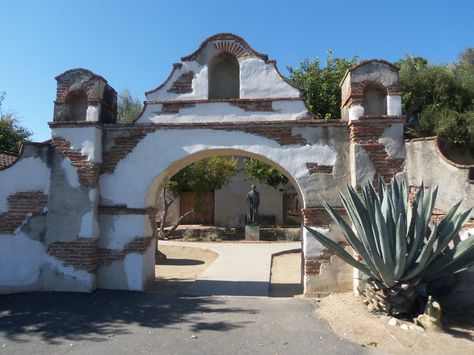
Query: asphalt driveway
point(122, 322)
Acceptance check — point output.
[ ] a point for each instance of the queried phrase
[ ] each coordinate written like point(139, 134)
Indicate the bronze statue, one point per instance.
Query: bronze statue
point(253, 197)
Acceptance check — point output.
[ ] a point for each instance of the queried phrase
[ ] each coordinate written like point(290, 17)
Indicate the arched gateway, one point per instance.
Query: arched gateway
point(77, 212)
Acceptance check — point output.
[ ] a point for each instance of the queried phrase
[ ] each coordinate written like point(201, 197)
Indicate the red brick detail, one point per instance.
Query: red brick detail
point(385, 165)
point(120, 210)
point(87, 172)
point(254, 106)
point(318, 216)
point(122, 147)
point(125, 144)
point(312, 266)
point(173, 108)
point(7, 159)
point(183, 84)
point(315, 168)
point(80, 254)
point(138, 245)
point(20, 205)
point(367, 135)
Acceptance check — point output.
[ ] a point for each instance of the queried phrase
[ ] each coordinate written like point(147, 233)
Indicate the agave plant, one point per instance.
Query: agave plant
point(396, 243)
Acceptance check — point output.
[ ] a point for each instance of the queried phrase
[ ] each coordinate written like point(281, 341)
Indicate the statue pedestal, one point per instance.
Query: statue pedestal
point(252, 232)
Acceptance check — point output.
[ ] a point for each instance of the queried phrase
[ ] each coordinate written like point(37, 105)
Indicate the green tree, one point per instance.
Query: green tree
point(439, 99)
point(12, 134)
point(129, 107)
point(320, 85)
point(201, 177)
point(257, 170)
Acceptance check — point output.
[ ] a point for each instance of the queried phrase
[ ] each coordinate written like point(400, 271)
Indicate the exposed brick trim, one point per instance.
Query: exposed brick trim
point(87, 172)
point(121, 148)
point(366, 133)
point(20, 205)
point(385, 165)
point(254, 106)
point(315, 168)
point(318, 216)
point(312, 266)
point(59, 124)
point(108, 256)
point(230, 125)
point(80, 254)
point(7, 159)
point(231, 100)
point(172, 108)
point(124, 210)
point(183, 84)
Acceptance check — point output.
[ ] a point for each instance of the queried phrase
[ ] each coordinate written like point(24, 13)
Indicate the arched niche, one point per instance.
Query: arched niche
point(77, 104)
point(224, 81)
point(375, 100)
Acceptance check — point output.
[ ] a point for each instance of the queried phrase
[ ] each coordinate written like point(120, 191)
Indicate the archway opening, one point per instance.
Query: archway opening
point(220, 223)
point(77, 102)
point(224, 81)
point(375, 100)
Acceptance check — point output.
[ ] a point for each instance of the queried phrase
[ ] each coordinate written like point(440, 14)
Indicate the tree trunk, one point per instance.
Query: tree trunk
point(176, 225)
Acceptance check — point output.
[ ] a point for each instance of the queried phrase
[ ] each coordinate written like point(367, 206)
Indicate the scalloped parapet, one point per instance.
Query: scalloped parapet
point(260, 92)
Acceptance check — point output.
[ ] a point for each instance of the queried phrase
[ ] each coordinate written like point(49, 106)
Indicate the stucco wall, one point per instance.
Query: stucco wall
point(425, 163)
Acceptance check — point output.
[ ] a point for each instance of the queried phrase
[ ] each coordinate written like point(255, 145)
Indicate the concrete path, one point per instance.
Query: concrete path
point(241, 269)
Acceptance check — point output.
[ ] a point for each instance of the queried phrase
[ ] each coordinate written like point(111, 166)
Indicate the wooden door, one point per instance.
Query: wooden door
point(205, 215)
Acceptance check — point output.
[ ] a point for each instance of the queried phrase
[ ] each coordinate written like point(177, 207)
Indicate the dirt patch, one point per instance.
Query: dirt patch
point(285, 279)
point(349, 319)
point(180, 268)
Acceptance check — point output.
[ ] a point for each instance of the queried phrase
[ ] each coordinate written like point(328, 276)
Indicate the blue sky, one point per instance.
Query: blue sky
point(134, 43)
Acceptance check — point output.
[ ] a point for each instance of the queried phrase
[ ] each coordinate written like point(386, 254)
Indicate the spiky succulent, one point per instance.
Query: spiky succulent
point(396, 240)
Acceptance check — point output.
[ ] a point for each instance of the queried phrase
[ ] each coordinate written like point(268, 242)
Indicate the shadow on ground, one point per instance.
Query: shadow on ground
point(103, 314)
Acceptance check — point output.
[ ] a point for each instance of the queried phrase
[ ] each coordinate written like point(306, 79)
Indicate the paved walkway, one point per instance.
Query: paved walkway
point(241, 269)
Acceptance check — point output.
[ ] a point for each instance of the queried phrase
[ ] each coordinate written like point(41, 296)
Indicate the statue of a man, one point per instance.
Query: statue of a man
point(253, 197)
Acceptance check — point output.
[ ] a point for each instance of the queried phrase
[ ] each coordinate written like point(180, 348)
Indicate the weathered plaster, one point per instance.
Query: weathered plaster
point(142, 165)
point(11, 182)
point(87, 140)
point(118, 230)
point(392, 139)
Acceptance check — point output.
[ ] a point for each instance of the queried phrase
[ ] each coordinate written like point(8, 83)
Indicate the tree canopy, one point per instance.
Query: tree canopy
point(203, 176)
point(439, 99)
point(257, 170)
point(128, 107)
point(320, 84)
point(12, 134)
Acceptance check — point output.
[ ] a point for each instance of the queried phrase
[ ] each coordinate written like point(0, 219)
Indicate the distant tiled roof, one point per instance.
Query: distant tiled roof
point(7, 159)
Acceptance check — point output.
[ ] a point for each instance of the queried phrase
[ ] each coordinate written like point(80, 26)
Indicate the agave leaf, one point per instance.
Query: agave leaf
point(383, 237)
point(400, 249)
point(452, 226)
point(351, 238)
point(424, 211)
point(463, 262)
point(424, 256)
point(363, 228)
point(451, 256)
point(340, 252)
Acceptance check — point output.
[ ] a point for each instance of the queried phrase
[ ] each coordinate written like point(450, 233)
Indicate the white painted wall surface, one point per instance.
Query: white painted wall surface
point(224, 112)
point(28, 174)
point(259, 79)
point(134, 175)
point(117, 231)
point(394, 105)
point(87, 140)
point(20, 260)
